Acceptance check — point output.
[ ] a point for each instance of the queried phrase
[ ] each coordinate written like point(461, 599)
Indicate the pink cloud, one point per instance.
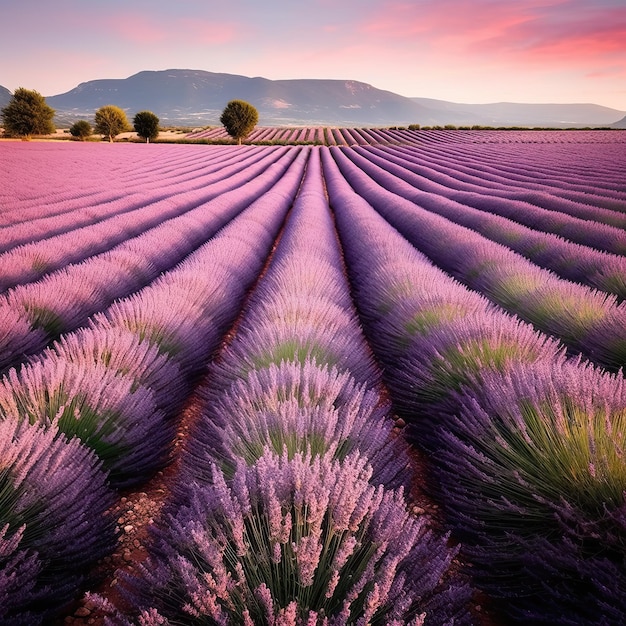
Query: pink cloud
point(443, 20)
point(137, 29)
point(559, 33)
point(570, 37)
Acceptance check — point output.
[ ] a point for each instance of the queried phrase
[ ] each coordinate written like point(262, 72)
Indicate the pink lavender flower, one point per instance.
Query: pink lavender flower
point(54, 524)
point(124, 353)
point(309, 579)
point(108, 412)
point(304, 407)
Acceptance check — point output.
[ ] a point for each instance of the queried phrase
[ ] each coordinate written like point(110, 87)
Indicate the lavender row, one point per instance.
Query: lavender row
point(104, 178)
point(301, 319)
point(571, 261)
point(183, 314)
point(288, 135)
point(597, 165)
point(588, 229)
point(116, 387)
point(589, 173)
point(26, 263)
point(280, 515)
point(588, 321)
point(106, 173)
point(34, 314)
point(446, 177)
point(54, 524)
point(568, 171)
point(21, 190)
point(205, 187)
point(526, 447)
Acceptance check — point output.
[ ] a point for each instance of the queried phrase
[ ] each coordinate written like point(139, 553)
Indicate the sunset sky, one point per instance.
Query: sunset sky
point(471, 51)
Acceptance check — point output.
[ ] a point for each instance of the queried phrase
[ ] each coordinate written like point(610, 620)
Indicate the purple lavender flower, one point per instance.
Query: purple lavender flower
point(125, 354)
point(109, 412)
point(302, 537)
point(17, 336)
point(302, 407)
point(531, 467)
point(53, 520)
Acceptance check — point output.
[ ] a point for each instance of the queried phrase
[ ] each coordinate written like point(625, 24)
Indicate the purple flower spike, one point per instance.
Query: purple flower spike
point(124, 353)
point(53, 521)
point(457, 354)
point(107, 411)
point(532, 472)
point(17, 336)
point(290, 539)
point(177, 327)
point(303, 407)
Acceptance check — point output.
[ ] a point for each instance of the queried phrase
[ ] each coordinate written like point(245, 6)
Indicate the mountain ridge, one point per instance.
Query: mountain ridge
point(197, 98)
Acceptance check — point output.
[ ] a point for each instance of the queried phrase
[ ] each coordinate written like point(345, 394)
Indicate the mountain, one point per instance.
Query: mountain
point(197, 98)
point(620, 123)
point(5, 96)
point(515, 114)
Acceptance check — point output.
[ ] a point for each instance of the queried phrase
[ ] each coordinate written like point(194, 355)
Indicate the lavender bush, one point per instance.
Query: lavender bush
point(124, 353)
point(53, 521)
point(532, 470)
point(303, 408)
point(298, 541)
point(108, 412)
point(457, 354)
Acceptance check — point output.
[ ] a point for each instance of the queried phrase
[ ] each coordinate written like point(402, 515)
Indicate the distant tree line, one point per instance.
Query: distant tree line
point(28, 114)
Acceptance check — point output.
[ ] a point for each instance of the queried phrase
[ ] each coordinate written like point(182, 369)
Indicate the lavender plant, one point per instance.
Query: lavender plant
point(300, 408)
point(169, 323)
point(53, 306)
point(267, 343)
point(457, 354)
point(107, 411)
point(17, 336)
point(532, 467)
point(295, 541)
point(124, 353)
point(54, 524)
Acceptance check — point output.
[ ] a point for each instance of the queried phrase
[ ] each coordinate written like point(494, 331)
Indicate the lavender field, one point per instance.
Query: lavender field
point(375, 381)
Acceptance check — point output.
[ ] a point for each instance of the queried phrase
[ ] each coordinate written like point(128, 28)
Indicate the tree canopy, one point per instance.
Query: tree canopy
point(27, 114)
point(110, 121)
point(146, 125)
point(239, 119)
point(80, 129)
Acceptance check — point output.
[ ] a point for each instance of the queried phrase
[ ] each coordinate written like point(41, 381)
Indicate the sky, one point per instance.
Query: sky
point(470, 51)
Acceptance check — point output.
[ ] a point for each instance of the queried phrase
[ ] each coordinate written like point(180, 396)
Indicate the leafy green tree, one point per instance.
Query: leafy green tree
point(27, 114)
point(239, 119)
point(81, 129)
point(110, 121)
point(146, 125)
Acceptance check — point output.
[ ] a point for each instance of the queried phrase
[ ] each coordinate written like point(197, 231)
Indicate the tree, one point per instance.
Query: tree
point(27, 114)
point(146, 125)
point(110, 121)
point(239, 118)
point(81, 129)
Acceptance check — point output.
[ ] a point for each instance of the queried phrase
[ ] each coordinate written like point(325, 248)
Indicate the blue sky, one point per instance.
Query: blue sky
point(464, 51)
